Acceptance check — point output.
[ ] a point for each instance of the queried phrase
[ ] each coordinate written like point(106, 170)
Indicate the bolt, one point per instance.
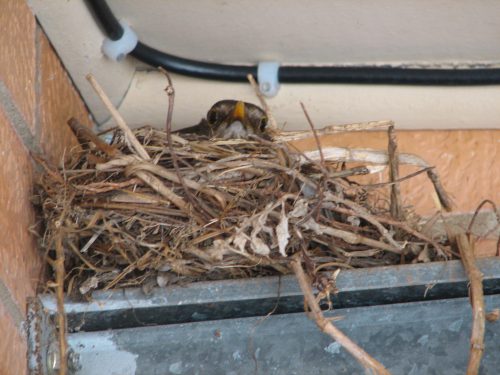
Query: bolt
point(74, 364)
point(53, 358)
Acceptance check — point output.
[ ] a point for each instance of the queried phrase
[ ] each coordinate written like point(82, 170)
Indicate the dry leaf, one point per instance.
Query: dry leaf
point(94, 281)
point(354, 221)
point(219, 249)
point(240, 241)
point(493, 316)
point(89, 284)
point(424, 255)
point(300, 208)
point(259, 247)
point(282, 232)
point(314, 226)
point(259, 221)
point(162, 279)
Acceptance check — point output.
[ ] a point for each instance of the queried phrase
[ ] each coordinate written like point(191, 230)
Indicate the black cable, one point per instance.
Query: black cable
point(192, 68)
point(106, 18)
point(294, 74)
point(389, 75)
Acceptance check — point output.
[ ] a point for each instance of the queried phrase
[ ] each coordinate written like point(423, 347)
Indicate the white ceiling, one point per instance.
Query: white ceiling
point(426, 32)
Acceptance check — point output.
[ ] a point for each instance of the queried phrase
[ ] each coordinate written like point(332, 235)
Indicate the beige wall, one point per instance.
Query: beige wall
point(416, 33)
point(410, 107)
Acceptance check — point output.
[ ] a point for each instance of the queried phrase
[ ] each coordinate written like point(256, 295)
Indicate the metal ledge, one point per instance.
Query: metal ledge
point(202, 301)
point(419, 338)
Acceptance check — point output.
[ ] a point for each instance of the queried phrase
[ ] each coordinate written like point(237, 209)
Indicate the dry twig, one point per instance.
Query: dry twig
point(327, 327)
point(61, 314)
point(497, 216)
point(175, 160)
point(129, 135)
point(273, 126)
point(84, 134)
point(289, 136)
point(477, 301)
point(315, 134)
point(396, 201)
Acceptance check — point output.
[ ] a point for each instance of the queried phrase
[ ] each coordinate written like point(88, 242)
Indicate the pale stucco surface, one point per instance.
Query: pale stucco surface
point(416, 33)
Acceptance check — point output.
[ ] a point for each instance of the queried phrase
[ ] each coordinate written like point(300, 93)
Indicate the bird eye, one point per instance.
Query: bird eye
point(212, 117)
point(263, 124)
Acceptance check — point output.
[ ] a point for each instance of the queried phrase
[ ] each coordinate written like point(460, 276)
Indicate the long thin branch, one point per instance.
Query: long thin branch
point(381, 157)
point(84, 134)
point(136, 146)
point(443, 196)
point(175, 161)
point(364, 214)
point(272, 121)
point(477, 301)
point(58, 265)
point(129, 135)
point(349, 237)
point(407, 177)
point(288, 136)
point(327, 327)
point(396, 201)
point(315, 134)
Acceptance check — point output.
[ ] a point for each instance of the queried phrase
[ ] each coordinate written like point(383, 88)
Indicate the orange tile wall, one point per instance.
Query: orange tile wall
point(468, 162)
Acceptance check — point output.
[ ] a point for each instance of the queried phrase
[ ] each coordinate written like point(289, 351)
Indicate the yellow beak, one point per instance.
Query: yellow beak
point(239, 111)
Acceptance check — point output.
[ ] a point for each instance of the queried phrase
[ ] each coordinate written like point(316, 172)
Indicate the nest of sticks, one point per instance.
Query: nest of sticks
point(191, 209)
point(149, 208)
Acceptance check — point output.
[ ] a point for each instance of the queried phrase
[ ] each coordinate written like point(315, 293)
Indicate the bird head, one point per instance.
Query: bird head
point(236, 119)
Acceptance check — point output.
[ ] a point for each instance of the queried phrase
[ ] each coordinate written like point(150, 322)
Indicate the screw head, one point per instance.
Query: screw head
point(53, 358)
point(265, 87)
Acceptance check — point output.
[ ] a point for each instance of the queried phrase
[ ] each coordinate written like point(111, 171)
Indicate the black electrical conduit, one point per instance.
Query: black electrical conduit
point(294, 74)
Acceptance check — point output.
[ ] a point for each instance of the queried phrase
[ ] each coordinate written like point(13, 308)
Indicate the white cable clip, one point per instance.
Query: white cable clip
point(117, 49)
point(267, 75)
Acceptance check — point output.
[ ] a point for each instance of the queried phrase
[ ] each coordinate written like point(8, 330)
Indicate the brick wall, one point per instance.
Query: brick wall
point(36, 99)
